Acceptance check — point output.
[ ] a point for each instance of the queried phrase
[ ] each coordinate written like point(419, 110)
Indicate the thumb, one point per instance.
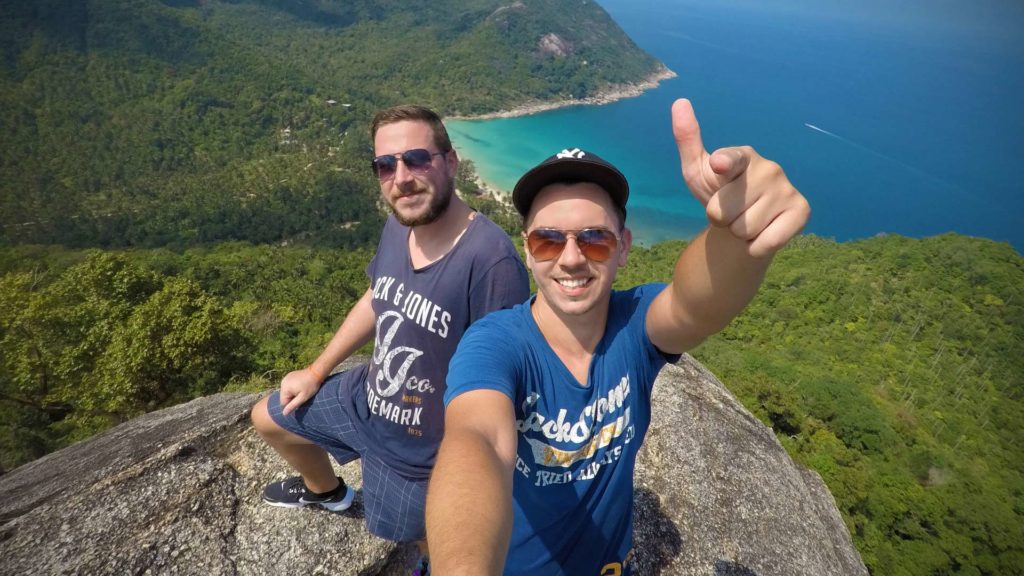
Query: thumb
point(686, 132)
point(701, 178)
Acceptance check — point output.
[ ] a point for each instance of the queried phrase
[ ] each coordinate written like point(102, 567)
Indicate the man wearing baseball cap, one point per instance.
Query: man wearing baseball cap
point(548, 402)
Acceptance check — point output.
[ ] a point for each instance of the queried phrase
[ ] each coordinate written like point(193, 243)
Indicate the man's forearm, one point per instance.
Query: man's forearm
point(715, 278)
point(356, 330)
point(469, 507)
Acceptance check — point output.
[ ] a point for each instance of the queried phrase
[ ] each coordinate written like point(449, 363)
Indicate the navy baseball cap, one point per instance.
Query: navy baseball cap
point(573, 165)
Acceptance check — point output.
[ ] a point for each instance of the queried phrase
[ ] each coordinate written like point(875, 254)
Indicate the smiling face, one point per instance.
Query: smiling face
point(416, 199)
point(570, 284)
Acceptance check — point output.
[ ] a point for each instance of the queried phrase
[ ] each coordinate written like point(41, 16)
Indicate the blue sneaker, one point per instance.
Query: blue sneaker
point(292, 493)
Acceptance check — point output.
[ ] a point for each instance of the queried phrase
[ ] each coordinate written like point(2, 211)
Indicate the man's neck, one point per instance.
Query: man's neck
point(430, 242)
point(572, 337)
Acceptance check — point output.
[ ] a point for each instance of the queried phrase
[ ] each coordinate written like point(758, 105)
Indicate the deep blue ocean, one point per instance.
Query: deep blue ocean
point(891, 117)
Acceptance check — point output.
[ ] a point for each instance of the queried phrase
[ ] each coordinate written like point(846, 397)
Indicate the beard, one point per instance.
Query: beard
point(438, 205)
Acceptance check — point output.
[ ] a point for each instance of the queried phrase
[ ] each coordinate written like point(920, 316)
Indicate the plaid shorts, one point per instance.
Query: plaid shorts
point(395, 505)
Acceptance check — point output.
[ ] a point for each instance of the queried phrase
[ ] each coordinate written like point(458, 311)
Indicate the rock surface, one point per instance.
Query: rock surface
point(178, 492)
point(717, 494)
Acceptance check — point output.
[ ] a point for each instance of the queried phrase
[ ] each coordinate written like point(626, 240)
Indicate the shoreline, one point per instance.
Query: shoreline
point(491, 191)
point(612, 94)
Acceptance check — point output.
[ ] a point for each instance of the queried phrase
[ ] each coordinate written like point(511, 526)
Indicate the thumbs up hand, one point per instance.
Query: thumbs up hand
point(740, 190)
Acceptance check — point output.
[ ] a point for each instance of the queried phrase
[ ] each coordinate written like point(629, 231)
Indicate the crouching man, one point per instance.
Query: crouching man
point(439, 267)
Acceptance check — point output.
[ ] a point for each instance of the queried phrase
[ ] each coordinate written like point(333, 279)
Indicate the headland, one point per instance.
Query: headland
point(611, 94)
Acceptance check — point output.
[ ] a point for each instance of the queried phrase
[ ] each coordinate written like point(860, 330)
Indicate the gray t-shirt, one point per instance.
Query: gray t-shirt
point(421, 316)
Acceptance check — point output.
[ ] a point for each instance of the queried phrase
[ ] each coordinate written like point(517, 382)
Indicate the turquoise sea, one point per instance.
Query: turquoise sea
point(891, 117)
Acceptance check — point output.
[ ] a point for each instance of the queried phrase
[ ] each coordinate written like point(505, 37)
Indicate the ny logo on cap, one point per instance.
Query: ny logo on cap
point(574, 153)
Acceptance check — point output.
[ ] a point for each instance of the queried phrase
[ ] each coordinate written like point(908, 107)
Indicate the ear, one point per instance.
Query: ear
point(526, 250)
point(627, 243)
point(452, 162)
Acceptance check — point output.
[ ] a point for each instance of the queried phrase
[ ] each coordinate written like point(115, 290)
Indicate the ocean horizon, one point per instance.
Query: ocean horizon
point(890, 121)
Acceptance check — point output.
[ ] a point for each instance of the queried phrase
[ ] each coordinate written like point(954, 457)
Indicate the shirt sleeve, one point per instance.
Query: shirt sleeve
point(504, 285)
point(645, 295)
point(483, 361)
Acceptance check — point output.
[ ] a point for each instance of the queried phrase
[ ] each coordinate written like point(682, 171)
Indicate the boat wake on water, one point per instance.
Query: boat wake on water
point(914, 169)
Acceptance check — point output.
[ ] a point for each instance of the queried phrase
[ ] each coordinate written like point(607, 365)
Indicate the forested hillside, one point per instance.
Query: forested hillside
point(894, 367)
point(149, 123)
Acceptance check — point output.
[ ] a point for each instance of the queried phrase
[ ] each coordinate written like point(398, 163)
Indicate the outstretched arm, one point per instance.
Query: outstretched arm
point(753, 211)
point(469, 502)
point(357, 329)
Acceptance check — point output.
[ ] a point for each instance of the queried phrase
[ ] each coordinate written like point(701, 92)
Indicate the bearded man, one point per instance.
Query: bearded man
point(439, 267)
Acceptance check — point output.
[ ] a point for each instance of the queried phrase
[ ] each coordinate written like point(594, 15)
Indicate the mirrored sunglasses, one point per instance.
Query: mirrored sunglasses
point(596, 244)
point(418, 161)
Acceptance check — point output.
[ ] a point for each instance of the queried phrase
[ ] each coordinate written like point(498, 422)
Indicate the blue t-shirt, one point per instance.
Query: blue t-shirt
point(421, 316)
point(577, 445)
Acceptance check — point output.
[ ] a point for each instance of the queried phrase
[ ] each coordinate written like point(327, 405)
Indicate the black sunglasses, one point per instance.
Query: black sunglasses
point(418, 161)
point(596, 244)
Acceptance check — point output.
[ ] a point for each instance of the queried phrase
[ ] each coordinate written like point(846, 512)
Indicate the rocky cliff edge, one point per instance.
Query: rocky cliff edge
point(178, 492)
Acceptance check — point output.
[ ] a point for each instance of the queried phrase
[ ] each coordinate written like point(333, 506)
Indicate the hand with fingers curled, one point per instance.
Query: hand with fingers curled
point(299, 386)
point(740, 190)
